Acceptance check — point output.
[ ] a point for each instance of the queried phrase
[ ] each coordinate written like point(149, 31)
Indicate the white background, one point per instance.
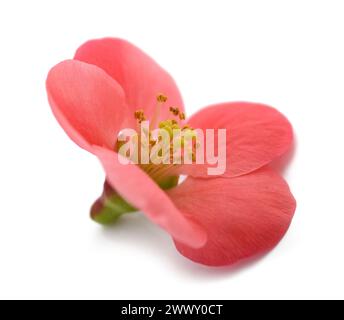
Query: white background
point(289, 54)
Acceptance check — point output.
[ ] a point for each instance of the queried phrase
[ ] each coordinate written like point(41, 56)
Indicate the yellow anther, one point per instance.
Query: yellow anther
point(175, 111)
point(140, 116)
point(169, 126)
point(169, 130)
point(162, 124)
point(161, 98)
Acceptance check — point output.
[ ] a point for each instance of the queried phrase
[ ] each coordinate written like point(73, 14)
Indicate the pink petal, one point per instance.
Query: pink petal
point(243, 216)
point(256, 135)
point(142, 192)
point(88, 104)
point(139, 75)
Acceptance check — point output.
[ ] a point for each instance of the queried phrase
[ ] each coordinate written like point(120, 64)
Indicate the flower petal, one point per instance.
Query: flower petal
point(136, 187)
point(88, 103)
point(139, 75)
point(243, 216)
point(256, 135)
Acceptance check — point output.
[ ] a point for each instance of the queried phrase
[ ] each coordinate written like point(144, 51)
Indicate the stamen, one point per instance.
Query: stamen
point(174, 110)
point(182, 116)
point(161, 99)
point(140, 116)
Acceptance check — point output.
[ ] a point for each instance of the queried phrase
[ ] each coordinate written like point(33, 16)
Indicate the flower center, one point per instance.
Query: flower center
point(159, 146)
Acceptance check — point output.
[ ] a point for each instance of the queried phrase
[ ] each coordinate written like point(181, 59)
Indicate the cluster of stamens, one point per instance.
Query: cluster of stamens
point(170, 126)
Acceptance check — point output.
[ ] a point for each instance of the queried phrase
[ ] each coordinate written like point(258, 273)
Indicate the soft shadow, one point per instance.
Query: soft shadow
point(206, 272)
point(135, 230)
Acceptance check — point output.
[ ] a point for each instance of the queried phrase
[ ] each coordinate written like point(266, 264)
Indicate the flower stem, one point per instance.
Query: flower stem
point(109, 207)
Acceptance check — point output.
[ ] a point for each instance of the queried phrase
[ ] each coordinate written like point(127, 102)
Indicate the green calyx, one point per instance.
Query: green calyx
point(169, 182)
point(111, 206)
point(109, 210)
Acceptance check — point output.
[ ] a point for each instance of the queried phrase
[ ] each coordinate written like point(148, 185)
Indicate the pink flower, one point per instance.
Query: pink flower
point(213, 220)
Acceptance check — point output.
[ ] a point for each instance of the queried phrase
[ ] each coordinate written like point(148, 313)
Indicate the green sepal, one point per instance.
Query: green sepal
point(111, 206)
point(110, 210)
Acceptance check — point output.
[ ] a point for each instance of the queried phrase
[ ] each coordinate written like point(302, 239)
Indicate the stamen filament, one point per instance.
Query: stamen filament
point(161, 99)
